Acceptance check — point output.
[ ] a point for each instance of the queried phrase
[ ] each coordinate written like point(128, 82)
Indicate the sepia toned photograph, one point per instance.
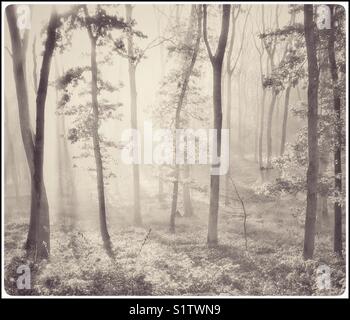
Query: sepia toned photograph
point(174, 149)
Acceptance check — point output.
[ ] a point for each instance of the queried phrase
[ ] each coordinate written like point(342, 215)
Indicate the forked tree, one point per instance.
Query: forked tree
point(216, 62)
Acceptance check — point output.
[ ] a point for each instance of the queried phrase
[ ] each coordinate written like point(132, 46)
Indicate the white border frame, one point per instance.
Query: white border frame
point(5, 295)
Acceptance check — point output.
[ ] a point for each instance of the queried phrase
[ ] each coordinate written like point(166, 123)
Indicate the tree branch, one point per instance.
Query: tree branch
point(242, 42)
point(220, 50)
point(9, 51)
point(205, 32)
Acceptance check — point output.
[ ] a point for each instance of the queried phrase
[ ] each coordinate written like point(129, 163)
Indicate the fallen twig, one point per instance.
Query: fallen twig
point(244, 211)
point(144, 240)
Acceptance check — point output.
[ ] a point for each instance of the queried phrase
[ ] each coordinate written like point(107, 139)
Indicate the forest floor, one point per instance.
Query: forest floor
point(150, 261)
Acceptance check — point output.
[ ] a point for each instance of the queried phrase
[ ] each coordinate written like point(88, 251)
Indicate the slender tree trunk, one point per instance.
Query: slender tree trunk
point(188, 209)
point(18, 58)
point(256, 133)
point(216, 61)
point(276, 127)
point(239, 127)
point(285, 119)
point(261, 133)
point(66, 183)
point(312, 97)
point(186, 190)
point(10, 155)
point(133, 112)
point(271, 50)
point(215, 179)
point(11, 163)
point(184, 87)
point(287, 95)
point(42, 220)
point(174, 199)
point(337, 246)
point(97, 151)
point(269, 129)
point(160, 185)
point(70, 179)
point(162, 70)
point(229, 73)
point(228, 125)
point(60, 196)
point(322, 206)
point(244, 118)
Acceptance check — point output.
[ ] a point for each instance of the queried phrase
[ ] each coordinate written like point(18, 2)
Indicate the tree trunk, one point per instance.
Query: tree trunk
point(174, 199)
point(256, 133)
point(269, 129)
point(322, 206)
point(261, 133)
point(60, 195)
point(239, 127)
point(216, 61)
point(162, 71)
point(133, 112)
point(35, 78)
point(215, 179)
point(285, 119)
point(42, 244)
point(244, 118)
point(271, 50)
point(10, 160)
point(324, 209)
point(312, 97)
point(18, 58)
point(186, 77)
point(66, 183)
point(228, 126)
point(97, 151)
point(188, 209)
point(160, 185)
point(276, 127)
point(70, 180)
point(337, 246)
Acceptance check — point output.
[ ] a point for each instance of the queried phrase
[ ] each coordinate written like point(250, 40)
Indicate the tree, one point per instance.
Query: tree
point(313, 161)
point(338, 129)
point(271, 50)
point(11, 160)
point(189, 56)
point(187, 202)
point(42, 223)
point(229, 71)
point(257, 121)
point(134, 56)
point(162, 68)
point(283, 76)
point(19, 47)
point(230, 68)
point(67, 196)
point(98, 27)
point(261, 52)
point(95, 137)
point(216, 62)
point(132, 61)
point(290, 83)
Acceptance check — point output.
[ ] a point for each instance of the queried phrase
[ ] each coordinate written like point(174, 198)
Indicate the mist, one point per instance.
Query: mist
point(174, 149)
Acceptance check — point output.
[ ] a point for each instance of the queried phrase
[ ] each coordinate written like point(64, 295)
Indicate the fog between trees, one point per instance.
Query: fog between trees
point(269, 78)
